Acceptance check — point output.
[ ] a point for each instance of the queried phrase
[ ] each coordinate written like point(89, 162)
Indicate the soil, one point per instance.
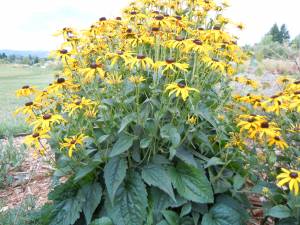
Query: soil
point(32, 178)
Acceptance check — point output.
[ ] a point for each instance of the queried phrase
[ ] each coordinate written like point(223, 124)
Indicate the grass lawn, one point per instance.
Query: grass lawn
point(13, 77)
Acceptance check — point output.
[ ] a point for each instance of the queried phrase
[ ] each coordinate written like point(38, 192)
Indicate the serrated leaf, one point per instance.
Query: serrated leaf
point(102, 221)
point(122, 145)
point(127, 120)
point(92, 194)
point(114, 174)
point(82, 172)
point(222, 214)
point(192, 183)
point(131, 203)
point(214, 161)
point(171, 217)
point(186, 156)
point(154, 174)
point(170, 132)
point(279, 211)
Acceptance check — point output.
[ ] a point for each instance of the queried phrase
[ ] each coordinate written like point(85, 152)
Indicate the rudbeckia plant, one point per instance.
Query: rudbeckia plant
point(134, 120)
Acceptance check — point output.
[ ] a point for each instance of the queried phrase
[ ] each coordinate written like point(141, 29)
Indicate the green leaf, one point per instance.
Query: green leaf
point(131, 202)
point(102, 138)
point(122, 145)
point(154, 174)
point(170, 132)
point(102, 221)
point(186, 156)
point(82, 172)
point(279, 211)
point(186, 209)
point(163, 222)
point(92, 194)
point(191, 183)
point(171, 217)
point(221, 214)
point(238, 181)
point(127, 120)
point(214, 161)
point(114, 174)
point(145, 142)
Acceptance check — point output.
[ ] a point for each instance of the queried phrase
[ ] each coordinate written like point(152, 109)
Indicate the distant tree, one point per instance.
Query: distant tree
point(295, 44)
point(275, 33)
point(284, 34)
point(36, 60)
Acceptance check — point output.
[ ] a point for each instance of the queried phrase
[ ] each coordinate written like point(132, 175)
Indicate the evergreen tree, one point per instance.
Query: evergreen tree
point(285, 35)
point(275, 33)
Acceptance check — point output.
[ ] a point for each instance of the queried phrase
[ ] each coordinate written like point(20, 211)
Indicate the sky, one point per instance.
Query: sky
point(29, 24)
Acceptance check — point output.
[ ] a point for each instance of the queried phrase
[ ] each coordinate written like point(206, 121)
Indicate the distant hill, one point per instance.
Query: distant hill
point(40, 54)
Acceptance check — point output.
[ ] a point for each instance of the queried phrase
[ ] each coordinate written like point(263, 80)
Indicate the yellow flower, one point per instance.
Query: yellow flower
point(115, 57)
point(249, 122)
point(30, 108)
point(295, 128)
point(72, 143)
point(61, 83)
point(290, 177)
point(181, 89)
point(46, 121)
point(92, 71)
point(91, 112)
point(34, 140)
point(171, 65)
point(236, 141)
point(278, 141)
point(26, 91)
point(268, 129)
point(283, 80)
point(113, 79)
point(136, 79)
point(192, 120)
point(78, 104)
point(140, 61)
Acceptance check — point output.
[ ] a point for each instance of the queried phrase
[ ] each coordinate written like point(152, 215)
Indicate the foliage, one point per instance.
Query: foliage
point(279, 35)
point(143, 126)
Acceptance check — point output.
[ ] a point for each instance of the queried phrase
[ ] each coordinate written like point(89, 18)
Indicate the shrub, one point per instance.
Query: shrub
point(136, 119)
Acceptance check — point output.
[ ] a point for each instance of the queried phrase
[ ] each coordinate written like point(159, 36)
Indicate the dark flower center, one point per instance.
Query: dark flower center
point(156, 12)
point(277, 138)
point(264, 125)
point(73, 142)
point(275, 96)
point(102, 19)
point(61, 80)
point(63, 51)
point(155, 29)
point(159, 17)
point(78, 102)
point(251, 120)
point(170, 60)
point(93, 65)
point(47, 116)
point(25, 87)
point(178, 17)
point(293, 175)
point(181, 84)
point(29, 104)
point(297, 92)
point(197, 42)
point(200, 28)
point(140, 56)
point(120, 52)
point(217, 27)
point(35, 135)
point(166, 15)
point(118, 18)
point(179, 38)
point(133, 12)
point(129, 30)
point(297, 82)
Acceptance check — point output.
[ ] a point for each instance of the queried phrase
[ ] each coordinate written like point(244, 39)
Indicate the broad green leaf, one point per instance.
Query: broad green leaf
point(102, 138)
point(221, 214)
point(82, 172)
point(279, 211)
point(171, 217)
point(122, 145)
point(186, 209)
point(91, 193)
point(114, 174)
point(102, 221)
point(145, 142)
point(127, 120)
point(186, 156)
point(130, 205)
point(170, 132)
point(163, 222)
point(238, 181)
point(154, 174)
point(192, 183)
point(214, 161)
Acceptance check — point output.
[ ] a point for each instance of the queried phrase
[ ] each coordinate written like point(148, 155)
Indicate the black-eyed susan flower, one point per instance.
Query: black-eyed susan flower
point(30, 108)
point(290, 177)
point(72, 143)
point(61, 83)
point(46, 121)
point(277, 141)
point(113, 79)
point(77, 104)
point(118, 55)
point(91, 72)
point(34, 141)
point(136, 79)
point(170, 64)
point(180, 89)
point(192, 120)
point(140, 61)
point(267, 129)
point(250, 122)
point(26, 91)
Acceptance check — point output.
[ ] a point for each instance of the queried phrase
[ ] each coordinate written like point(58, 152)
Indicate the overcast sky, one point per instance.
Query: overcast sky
point(29, 24)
